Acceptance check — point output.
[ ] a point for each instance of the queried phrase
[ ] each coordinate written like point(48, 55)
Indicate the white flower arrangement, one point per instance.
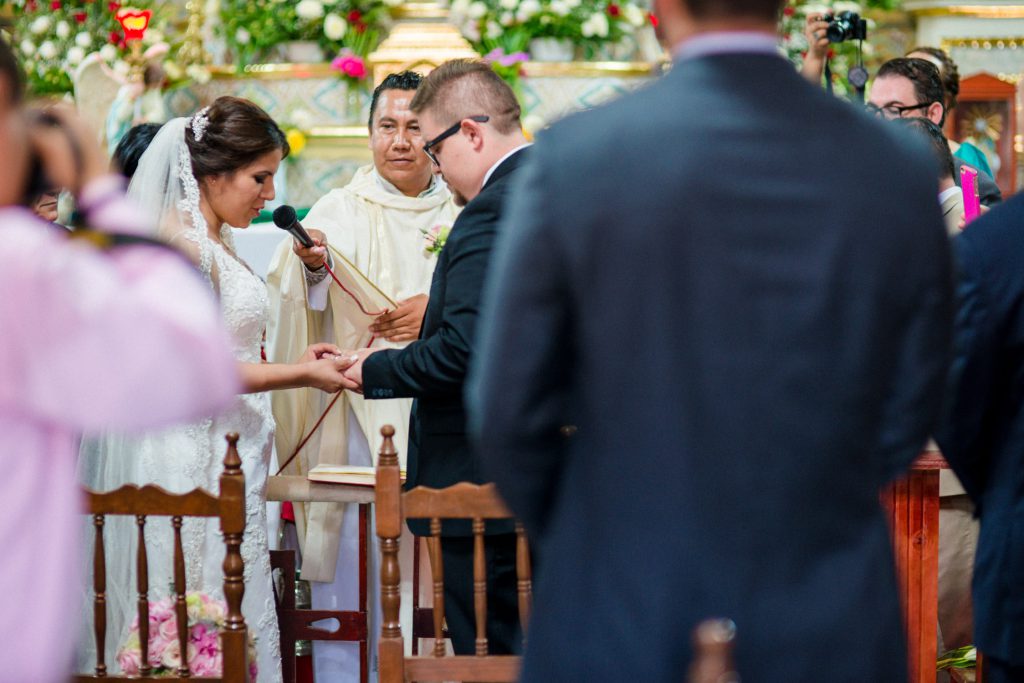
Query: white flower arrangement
point(512, 24)
point(309, 9)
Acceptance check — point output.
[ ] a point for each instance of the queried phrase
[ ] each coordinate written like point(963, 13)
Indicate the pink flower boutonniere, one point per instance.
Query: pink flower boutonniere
point(435, 238)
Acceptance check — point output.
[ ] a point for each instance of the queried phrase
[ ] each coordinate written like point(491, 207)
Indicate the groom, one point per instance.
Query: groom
point(470, 119)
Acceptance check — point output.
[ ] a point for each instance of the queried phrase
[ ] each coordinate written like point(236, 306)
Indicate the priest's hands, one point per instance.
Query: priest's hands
point(403, 323)
point(313, 257)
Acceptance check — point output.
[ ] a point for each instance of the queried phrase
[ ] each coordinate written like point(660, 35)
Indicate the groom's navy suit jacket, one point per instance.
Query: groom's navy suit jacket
point(739, 290)
point(432, 369)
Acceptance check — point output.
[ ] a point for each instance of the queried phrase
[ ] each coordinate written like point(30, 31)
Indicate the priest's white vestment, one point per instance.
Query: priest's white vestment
point(375, 236)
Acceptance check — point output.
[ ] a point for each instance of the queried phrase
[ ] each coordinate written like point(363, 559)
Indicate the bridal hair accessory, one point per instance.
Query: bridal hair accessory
point(198, 123)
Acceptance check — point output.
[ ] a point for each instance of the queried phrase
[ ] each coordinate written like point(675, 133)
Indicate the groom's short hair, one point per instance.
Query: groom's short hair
point(403, 80)
point(461, 88)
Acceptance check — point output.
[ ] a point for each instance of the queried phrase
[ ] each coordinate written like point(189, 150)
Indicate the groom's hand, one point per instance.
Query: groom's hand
point(354, 372)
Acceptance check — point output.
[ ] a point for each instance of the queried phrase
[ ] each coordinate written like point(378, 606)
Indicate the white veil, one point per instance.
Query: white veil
point(165, 188)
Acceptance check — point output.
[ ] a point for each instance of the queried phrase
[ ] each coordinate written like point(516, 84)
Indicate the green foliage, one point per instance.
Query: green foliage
point(53, 36)
point(253, 28)
point(511, 24)
point(961, 658)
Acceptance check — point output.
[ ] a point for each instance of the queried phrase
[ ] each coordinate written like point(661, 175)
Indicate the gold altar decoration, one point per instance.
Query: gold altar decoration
point(421, 39)
point(192, 50)
point(980, 122)
point(975, 11)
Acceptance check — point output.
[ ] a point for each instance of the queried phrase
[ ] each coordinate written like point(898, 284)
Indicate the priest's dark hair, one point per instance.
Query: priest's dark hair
point(768, 10)
point(461, 88)
point(403, 80)
point(923, 74)
point(926, 130)
point(237, 134)
point(131, 147)
point(10, 71)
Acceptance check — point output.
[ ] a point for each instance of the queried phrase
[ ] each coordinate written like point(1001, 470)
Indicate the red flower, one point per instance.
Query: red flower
point(114, 37)
point(113, 6)
point(789, 11)
point(80, 17)
point(831, 54)
point(359, 28)
point(31, 5)
point(653, 19)
point(55, 5)
point(614, 10)
point(354, 16)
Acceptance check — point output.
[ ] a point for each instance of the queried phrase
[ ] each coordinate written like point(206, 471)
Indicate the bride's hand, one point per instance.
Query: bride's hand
point(318, 351)
point(328, 374)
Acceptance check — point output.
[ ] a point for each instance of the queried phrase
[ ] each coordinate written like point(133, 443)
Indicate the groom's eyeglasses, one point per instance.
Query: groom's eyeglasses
point(430, 144)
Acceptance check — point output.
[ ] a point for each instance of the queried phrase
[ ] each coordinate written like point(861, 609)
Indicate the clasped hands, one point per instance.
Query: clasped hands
point(399, 325)
point(332, 369)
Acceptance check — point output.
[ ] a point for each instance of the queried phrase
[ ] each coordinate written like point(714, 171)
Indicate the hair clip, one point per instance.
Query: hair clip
point(198, 123)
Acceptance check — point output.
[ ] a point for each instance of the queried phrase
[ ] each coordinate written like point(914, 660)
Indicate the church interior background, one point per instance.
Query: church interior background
point(312, 63)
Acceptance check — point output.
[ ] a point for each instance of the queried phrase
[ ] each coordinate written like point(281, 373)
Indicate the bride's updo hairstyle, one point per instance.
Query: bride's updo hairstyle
point(235, 133)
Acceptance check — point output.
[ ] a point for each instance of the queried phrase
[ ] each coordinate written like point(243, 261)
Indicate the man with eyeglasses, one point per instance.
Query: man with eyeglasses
point(907, 87)
point(375, 224)
point(469, 118)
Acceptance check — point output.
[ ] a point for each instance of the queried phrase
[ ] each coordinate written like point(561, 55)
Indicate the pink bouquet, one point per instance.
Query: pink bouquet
point(206, 616)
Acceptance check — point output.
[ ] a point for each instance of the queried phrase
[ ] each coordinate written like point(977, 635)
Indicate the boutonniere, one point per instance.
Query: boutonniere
point(435, 238)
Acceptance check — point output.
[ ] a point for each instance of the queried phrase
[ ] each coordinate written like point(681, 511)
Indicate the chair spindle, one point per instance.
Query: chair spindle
point(437, 569)
point(142, 579)
point(480, 586)
point(99, 586)
point(524, 578)
point(180, 606)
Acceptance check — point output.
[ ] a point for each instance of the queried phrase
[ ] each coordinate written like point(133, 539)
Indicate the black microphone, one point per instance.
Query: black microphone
point(286, 219)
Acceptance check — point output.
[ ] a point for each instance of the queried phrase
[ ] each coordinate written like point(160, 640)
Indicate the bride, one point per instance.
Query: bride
point(201, 175)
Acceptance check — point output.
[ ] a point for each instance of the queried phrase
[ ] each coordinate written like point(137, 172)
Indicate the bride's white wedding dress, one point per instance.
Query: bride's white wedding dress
point(190, 456)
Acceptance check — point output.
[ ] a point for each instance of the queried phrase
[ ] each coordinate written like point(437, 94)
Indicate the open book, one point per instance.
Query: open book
point(353, 475)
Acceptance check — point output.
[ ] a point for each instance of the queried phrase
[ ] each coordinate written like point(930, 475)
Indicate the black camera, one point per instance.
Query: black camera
point(845, 26)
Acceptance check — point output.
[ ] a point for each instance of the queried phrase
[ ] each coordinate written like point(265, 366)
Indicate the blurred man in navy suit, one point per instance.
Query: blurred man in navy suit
point(982, 436)
point(738, 289)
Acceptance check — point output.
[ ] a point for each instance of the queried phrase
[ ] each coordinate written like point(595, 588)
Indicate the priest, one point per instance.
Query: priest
point(380, 235)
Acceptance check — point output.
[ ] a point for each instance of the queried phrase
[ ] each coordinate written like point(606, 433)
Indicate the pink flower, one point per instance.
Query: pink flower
point(349, 65)
point(204, 651)
point(130, 660)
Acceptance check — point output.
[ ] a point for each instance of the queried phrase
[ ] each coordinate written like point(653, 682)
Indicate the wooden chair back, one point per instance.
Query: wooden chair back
point(461, 501)
point(713, 643)
point(145, 501)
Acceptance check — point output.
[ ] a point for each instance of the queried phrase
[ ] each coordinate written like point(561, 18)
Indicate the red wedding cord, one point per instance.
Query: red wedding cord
point(334, 400)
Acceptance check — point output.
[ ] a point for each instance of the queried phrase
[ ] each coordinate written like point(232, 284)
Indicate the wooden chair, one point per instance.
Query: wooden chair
point(150, 500)
point(462, 501)
point(713, 643)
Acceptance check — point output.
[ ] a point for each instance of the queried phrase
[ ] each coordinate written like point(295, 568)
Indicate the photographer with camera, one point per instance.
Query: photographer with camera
point(821, 30)
point(817, 47)
point(127, 338)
